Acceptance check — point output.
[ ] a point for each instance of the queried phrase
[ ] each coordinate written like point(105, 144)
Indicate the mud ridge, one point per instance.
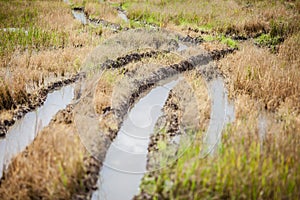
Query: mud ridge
point(124, 60)
point(78, 9)
point(193, 40)
point(196, 30)
point(92, 166)
point(36, 99)
point(230, 34)
point(219, 54)
point(113, 26)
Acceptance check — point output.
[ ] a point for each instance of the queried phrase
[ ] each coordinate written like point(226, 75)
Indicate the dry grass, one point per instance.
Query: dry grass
point(104, 90)
point(37, 66)
point(271, 79)
point(155, 62)
point(51, 168)
point(102, 11)
point(289, 51)
point(99, 10)
point(199, 89)
point(245, 168)
point(27, 71)
point(48, 43)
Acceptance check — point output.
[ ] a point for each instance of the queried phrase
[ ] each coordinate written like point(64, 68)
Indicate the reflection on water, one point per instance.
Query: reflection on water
point(123, 16)
point(79, 15)
point(222, 112)
point(126, 159)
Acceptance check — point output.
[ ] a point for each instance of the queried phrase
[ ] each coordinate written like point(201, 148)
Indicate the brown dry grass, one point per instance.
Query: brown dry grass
point(55, 46)
point(35, 67)
point(199, 88)
point(27, 71)
point(52, 167)
point(53, 164)
point(271, 79)
point(157, 61)
point(104, 89)
point(99, 10)
point(102, 11)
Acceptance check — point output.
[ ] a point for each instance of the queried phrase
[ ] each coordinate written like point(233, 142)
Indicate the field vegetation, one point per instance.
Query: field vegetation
point(227, 17)
point(51, 168)
point(40, 41)
point(251, 163)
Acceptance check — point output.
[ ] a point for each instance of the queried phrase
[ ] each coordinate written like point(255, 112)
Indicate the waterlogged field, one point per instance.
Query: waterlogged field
point(125, 48)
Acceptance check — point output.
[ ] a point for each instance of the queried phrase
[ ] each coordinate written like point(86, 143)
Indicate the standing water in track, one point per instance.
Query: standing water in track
point(126, 159)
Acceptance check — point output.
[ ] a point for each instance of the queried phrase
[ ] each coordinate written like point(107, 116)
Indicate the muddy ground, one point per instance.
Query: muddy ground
point(177, 119)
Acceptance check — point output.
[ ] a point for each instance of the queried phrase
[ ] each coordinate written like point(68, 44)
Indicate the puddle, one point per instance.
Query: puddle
point(80, 16)
point(125, 162)
point(222, 112)
point(23, 132)
point(123, 15)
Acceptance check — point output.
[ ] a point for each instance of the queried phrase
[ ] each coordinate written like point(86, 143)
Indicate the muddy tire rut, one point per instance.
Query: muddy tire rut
point(36, 100)
point(97, 130)
point(133, 85)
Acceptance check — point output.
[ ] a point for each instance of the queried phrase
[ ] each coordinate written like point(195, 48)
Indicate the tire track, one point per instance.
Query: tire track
point(97, 141)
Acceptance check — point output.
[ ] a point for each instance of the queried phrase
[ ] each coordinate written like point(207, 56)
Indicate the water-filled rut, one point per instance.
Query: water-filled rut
point(23, 132)
point(126, 159)
point(109, 143)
